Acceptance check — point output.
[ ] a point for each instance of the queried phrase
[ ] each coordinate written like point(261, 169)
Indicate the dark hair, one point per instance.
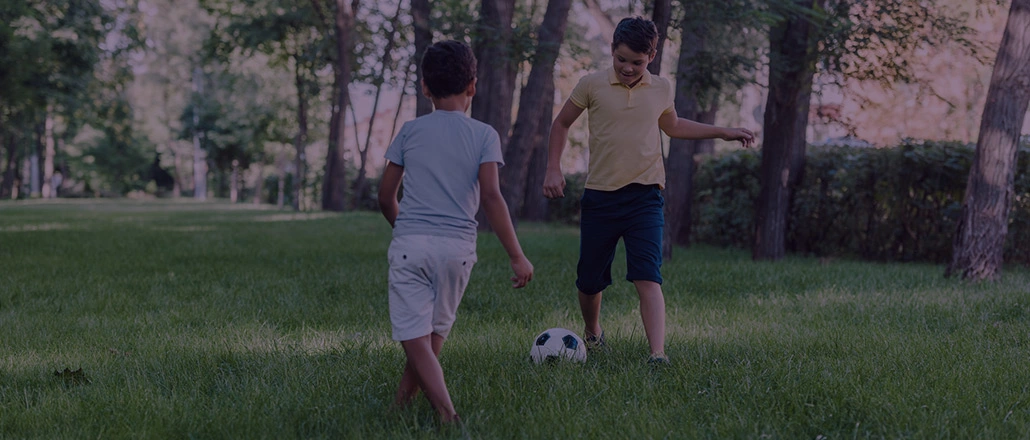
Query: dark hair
point(638, 34)
point(448, 67)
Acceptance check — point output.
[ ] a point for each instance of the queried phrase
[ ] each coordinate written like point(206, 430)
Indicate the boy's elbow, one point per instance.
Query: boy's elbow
point(385, 202)
point(490, 199)
point(561, 123)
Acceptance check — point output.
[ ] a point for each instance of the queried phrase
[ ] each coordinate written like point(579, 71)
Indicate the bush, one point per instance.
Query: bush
point(566, 209)
point(726, 187)
point(889, 204)
point(880, 204)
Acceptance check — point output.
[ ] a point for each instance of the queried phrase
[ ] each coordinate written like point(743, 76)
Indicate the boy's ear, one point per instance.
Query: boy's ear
point(425, 90)
point(471, 90)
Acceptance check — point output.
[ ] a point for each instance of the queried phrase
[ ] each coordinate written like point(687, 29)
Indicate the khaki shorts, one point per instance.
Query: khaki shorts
point(428, 276)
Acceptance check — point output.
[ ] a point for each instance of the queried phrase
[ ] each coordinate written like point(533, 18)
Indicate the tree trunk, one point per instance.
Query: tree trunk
point(980, 239)
point(199, 154)
point(234, 181)
point(680, 165)
point(49, 151)
point(661, 16)
point(361, 181)
point(10, 168)
point(495, 72)
point(535, 206)
point(259, 183)
point(679, 190)
point(496, 69)
point(334, 182)
point(280, 199)
point(300, 141)
point(176, 171)
point(35, 175)
point(791, 69)
point(400, 101)
point(420, 11)
point(537, 95)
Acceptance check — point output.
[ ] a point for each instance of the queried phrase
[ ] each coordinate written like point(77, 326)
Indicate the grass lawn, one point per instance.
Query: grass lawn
point(213, 321)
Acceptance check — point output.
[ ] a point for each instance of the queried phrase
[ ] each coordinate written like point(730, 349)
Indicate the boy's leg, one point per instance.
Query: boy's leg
point(590, 307)
point(643, 265)
point(434, 283)
point(599, 235)
point(426, 367)
point(652, 313)
point(410, 385)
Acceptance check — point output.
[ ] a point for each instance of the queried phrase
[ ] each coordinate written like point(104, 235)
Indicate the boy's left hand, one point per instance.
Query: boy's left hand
point(523, 272)
point(745, 136)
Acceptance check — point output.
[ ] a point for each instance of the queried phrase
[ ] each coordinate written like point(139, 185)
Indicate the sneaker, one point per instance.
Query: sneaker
point(594, 342)
point(658, 359)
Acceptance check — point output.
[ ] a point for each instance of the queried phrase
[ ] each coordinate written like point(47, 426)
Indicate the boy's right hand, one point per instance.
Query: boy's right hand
point(554, 184)
point(523, 272)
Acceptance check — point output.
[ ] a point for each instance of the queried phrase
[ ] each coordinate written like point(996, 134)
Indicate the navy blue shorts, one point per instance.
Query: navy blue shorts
point(632, 213)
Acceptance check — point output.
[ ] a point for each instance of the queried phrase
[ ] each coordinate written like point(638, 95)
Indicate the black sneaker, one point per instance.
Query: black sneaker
point(658, 359)
point(594, 342)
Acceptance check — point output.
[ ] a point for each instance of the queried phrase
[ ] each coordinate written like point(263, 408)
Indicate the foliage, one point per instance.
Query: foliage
point(874, 40)
point(889, 204)
point(881, 204)
point(725, 190)
point(373, 35)
point(67, 62)
point(188, 320)
point(566, 209)
point(725, 46)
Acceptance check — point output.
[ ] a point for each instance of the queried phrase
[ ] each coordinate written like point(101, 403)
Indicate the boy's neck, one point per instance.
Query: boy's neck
point(453, 103)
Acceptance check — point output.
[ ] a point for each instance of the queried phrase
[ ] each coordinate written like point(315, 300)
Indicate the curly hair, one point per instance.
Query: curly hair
point(637, 33)
point(448, 67)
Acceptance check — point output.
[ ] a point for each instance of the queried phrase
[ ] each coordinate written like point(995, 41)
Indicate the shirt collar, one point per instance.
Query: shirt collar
point(613, 78)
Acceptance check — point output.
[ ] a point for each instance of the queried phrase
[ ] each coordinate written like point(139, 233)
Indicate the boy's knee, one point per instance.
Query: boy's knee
point(591, 288)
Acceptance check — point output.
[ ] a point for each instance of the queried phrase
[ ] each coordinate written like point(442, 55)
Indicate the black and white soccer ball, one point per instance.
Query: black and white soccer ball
point(556, 344)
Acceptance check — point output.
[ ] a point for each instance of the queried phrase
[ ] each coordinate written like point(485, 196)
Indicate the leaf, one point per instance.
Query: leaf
point(73, 378)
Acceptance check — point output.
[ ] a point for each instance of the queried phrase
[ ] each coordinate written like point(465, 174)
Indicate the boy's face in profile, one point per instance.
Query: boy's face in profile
point(629, 65)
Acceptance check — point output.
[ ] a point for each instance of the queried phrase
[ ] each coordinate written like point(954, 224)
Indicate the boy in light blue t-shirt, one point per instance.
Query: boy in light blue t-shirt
point(448, 164)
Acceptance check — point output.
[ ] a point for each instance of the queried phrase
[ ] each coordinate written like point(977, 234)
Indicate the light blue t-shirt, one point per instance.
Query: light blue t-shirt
point(441, 153)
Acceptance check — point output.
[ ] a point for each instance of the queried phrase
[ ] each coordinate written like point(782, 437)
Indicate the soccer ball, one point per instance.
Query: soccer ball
point(556, 344)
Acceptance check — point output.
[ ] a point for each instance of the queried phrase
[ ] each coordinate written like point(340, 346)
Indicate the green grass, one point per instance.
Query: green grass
point(212, 321)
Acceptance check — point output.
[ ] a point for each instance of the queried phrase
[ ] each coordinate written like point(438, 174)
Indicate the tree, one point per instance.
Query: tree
point(420, 13)
point(661, 16)
point(175, 32)
point(717, 55)
point(377, 73)
point(15, 50)
point(868, 40)
point(50, 56)
point(287, 36)
point(68, 70)
point(334, 182)
point(791, 69)
point(535, 106)
point(980, 238)
point(496, 67)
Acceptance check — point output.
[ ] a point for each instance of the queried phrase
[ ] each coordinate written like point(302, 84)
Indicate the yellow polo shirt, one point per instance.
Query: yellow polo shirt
point(625, 142)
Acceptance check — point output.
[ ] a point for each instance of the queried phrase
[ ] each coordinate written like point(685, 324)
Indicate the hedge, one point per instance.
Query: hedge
point(886, 204)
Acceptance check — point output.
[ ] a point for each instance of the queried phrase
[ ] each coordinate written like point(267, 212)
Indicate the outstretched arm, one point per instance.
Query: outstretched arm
point(389, 185)
point(496, 210)
point(554, 180)
point(681, 128)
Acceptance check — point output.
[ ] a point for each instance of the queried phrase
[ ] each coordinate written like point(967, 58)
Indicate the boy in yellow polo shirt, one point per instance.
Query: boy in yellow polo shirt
point(627, 106)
